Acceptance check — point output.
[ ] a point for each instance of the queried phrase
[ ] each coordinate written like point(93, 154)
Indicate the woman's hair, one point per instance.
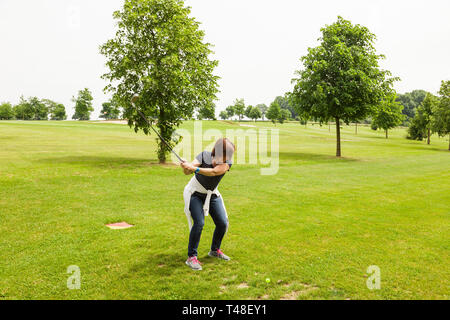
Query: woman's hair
point(223, 148)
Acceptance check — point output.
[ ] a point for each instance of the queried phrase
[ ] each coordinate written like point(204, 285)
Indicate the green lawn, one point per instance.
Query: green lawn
point(313, 229)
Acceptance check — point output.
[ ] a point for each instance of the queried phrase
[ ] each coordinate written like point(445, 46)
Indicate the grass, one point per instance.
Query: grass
point(313, 229)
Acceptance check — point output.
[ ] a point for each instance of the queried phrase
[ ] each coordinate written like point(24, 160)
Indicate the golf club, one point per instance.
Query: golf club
point(133, 100)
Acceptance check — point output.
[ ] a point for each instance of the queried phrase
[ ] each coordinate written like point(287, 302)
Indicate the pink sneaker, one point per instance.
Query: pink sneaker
point(219, 254)
point(193, 263)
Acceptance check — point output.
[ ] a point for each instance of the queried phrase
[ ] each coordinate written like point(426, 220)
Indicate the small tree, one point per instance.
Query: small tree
point(239, 108)
point(58, 113)
point(417, 129)
point(23, 111)
point(40, 109)
point(274, 112)
point(110, 111)
point(285, 115)
point(83, 105)
point(223, 115)
point(389, 115)
point(255, 114)
point(6, 111)
point(247, 111)
point(230, 112)
point(441, 112)
point(56, 110)
point(207, 112)
point(426, 108)
point(341, 78)
point(263, 108)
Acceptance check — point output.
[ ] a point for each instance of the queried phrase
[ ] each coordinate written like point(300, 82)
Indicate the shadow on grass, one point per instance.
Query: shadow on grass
point(167, 264)
point(314, 157)
point(160, 264)
point(106, 162)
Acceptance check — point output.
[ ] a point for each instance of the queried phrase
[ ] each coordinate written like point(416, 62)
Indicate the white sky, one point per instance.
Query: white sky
point(49, 48)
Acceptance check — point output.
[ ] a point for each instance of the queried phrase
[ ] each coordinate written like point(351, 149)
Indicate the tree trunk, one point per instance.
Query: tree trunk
point(162, 146)
point(386, 133)
point(338, 137)
point(357, 128)
point(429, 136)
point(329, 127)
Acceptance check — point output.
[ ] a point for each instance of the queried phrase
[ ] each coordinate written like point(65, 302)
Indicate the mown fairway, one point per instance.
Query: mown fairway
point(313, 229)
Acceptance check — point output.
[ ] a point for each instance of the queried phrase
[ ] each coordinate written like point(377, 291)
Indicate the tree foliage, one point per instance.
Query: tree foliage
point(223, 115)
point(239, 108)
point(389, 115)
point(110, 110)
point(158, 52)
point(274, 112)
point(263, 108)
point(410, 101)
point(57, 111)
point(31, 109)
point(255, 113)
point(230, 112)
point(83, 105)
point(341, 78)
point(207, 112)
point(6, 111)
point(441, 112)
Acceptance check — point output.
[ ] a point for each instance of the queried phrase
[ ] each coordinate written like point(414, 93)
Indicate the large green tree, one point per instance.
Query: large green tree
point(160, 53)
point(389, 115)
point(6, 111)
point(341, 78)
point(441, 112)
point(83, 105)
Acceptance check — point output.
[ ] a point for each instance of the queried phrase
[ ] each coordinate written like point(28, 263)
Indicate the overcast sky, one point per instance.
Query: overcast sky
point(49, 48)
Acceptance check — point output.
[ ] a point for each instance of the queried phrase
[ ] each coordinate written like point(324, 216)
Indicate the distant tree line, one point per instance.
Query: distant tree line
point(279, 111)
point(34, 108)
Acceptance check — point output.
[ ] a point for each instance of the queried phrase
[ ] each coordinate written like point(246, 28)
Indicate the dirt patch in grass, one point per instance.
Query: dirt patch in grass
point(294, 295)
point(243, 285)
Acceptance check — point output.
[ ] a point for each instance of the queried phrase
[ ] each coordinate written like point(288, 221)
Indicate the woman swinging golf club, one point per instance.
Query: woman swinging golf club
point(201, 198)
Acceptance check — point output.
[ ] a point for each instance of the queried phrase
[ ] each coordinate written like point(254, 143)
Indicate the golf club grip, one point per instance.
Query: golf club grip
point(159, 135)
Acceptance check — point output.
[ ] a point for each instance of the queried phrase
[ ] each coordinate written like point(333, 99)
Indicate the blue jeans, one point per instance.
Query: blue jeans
point(217, 213)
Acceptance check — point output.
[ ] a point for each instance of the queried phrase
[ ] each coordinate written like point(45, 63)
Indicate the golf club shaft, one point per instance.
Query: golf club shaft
point(159, 135)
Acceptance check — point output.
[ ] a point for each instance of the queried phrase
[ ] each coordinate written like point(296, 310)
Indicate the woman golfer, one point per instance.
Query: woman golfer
point(202, 198)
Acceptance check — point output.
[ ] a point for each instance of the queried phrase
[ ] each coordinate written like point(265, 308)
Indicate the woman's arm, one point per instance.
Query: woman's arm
point(189, 168)
point(217, 171)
